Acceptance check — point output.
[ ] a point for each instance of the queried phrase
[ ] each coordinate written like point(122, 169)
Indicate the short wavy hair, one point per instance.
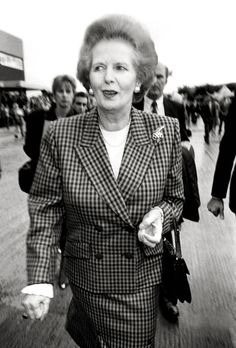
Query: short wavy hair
point(125, 28)
point(60, 79)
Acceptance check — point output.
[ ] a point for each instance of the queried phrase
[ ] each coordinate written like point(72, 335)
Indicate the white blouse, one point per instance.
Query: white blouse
point(115, 144)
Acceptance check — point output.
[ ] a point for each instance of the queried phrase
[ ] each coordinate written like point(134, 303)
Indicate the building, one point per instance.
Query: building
point(11, 58)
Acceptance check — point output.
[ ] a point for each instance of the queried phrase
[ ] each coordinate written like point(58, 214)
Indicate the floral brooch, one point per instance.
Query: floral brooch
point(157, 135)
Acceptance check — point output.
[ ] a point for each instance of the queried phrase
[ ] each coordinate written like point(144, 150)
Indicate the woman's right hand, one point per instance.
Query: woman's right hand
point(36, 306)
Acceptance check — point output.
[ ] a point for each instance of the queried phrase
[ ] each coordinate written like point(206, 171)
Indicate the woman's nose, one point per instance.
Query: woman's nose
point(109, 75)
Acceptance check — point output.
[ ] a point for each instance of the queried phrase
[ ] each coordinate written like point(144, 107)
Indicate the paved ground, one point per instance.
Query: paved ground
point(208, 247)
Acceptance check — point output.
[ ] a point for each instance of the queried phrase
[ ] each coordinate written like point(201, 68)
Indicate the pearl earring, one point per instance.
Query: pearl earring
point(90, 91)
point(137, 89)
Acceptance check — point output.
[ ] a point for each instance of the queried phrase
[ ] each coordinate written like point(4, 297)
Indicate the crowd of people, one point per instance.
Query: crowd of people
point(15, 107)
point(107, 182)
point(212, 111)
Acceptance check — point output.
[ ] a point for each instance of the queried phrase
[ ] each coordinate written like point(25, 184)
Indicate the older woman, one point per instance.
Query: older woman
point(116, 173)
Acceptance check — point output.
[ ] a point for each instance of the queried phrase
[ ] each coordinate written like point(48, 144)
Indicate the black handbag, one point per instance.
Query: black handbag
point(175, 285)
point(26, 176)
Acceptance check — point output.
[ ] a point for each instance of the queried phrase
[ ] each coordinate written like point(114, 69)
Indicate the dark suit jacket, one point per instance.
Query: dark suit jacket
point(34, 130)
point(74, 175)
point(172, 109)
point(225, 161)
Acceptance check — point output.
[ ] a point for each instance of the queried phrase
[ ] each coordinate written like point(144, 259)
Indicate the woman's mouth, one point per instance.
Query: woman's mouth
point(109, 93)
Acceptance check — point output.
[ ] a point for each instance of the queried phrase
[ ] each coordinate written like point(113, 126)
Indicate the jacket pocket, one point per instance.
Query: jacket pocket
point(78, 250)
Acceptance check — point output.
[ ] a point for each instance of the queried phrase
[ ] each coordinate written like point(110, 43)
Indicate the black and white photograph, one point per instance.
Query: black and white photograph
point(117, 174)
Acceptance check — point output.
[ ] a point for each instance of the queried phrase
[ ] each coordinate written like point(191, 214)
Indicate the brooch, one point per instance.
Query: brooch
point(157, 135)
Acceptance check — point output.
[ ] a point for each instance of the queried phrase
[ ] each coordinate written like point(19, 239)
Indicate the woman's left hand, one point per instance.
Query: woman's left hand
point(150, 229)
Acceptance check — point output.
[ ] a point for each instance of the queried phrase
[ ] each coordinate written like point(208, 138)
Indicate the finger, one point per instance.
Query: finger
point(38, 312)
point(148, 242)
point(148, 219)
point(152, 239)
point(140, 235)
point(45, 308)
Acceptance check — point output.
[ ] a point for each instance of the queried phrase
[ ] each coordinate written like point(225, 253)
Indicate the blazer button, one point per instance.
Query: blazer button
point(99, 256)
point(128, 255)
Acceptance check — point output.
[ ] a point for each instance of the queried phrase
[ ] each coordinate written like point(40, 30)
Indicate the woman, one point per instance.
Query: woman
point(117, 173)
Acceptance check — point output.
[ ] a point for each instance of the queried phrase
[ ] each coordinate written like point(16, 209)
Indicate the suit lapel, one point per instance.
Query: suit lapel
point(168, 107)
point(137, 156)
point(93, 155)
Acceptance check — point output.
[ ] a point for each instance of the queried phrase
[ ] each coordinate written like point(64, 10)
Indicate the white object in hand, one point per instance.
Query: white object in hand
point(150, 229)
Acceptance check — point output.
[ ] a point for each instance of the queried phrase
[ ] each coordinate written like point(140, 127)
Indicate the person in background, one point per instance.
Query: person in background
point(80, 102)
point(37, 123)
point(155, 101)
point(116, 173)
point(224, 105)
point(18, 117)
point(207, 117)
point(224, 172)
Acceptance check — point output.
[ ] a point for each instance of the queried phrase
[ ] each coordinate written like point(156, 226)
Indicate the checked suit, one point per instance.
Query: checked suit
point(74, 175)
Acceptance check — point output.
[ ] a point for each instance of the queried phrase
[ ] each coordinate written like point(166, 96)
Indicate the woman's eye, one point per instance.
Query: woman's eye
point(98, 68)
point(121, 67)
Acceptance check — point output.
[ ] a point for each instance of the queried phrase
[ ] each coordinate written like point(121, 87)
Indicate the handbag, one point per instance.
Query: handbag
point(175, 283)
point(26, 176)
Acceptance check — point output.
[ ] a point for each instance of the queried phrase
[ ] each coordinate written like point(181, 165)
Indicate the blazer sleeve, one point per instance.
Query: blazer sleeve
point(226, 156)
point(46, 212)
point(172, 204)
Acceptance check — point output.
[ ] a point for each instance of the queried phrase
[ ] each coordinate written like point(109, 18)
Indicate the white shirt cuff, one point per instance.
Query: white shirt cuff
point(39, 289)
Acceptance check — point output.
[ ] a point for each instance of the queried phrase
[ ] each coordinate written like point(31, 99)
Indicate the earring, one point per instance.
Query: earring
point(90, 91)
point(137, 89)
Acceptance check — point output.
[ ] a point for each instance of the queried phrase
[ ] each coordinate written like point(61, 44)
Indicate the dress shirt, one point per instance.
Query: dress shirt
point(148, 105)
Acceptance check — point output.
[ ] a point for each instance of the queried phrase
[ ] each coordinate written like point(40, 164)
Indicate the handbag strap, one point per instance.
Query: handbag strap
point(177, 238)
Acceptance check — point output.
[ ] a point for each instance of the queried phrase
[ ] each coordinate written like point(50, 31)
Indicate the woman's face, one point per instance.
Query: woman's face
point(64, 95)
point(112, 75)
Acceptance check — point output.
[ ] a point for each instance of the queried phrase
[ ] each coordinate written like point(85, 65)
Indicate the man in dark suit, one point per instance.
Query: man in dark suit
point(155, 101)
point(224, 166)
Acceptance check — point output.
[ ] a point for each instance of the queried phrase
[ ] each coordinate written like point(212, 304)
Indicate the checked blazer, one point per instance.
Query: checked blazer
point(74, 177)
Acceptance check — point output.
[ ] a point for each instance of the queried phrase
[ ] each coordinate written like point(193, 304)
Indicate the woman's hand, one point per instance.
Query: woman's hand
point(36, 306)
point(150, 229)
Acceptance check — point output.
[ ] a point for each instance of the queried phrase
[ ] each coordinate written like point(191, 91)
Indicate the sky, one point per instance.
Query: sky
point(195, 39)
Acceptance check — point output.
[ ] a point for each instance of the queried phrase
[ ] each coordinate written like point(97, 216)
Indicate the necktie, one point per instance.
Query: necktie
point(154, 107)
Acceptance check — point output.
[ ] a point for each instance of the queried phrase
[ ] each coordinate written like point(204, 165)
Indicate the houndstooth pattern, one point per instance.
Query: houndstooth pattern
point(74, 176)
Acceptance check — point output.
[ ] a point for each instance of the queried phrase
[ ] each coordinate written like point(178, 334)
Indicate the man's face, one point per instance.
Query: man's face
point(159, 82)
point(80, 104)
